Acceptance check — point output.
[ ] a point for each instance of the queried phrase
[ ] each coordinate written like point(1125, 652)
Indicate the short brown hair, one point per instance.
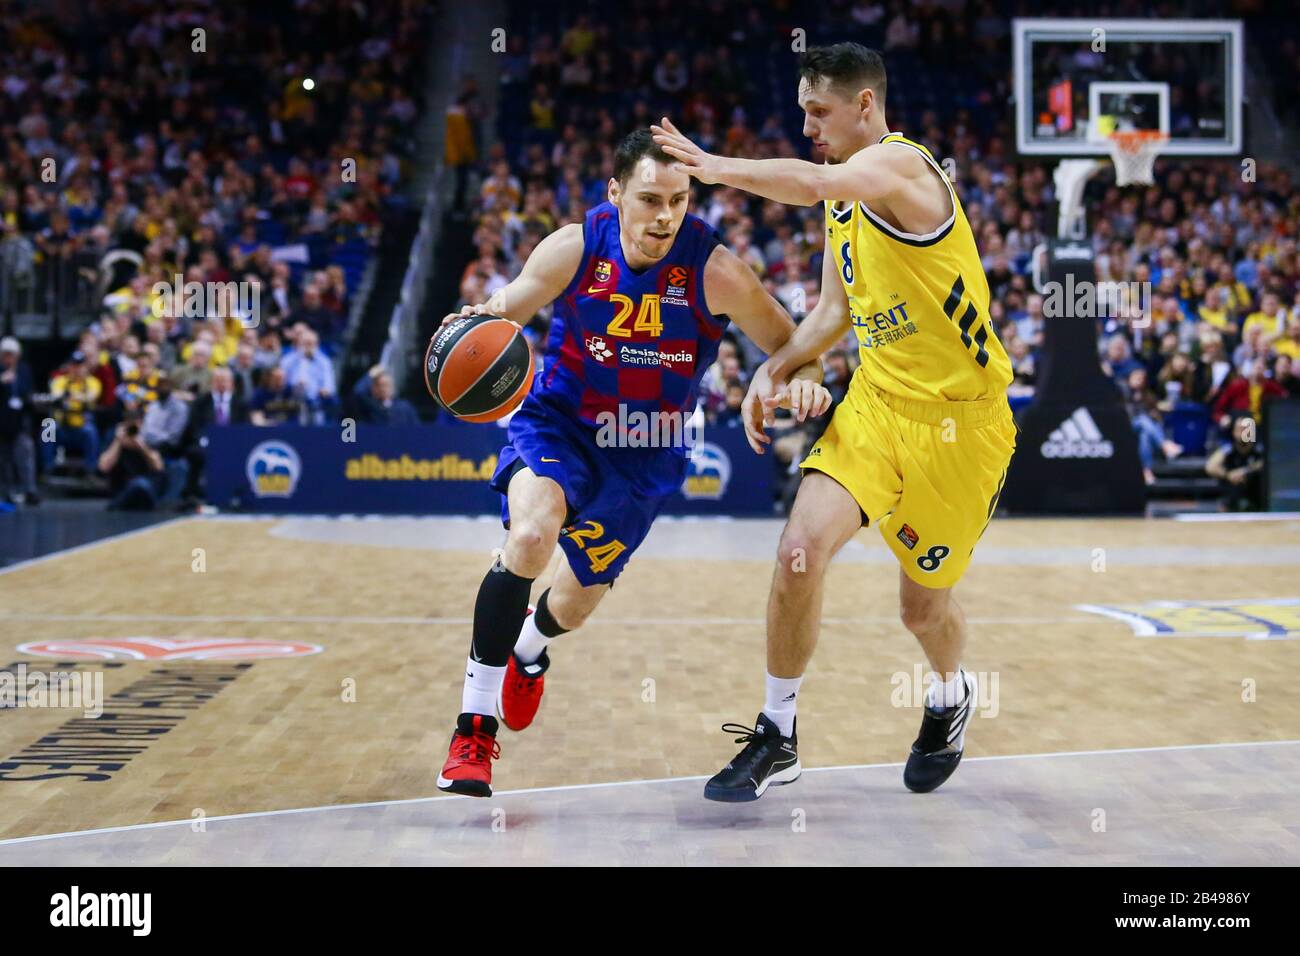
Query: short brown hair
point(846, 67)
point(635, 145)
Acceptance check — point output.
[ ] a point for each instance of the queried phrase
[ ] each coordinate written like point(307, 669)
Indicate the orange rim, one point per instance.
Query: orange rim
point(1132, 140)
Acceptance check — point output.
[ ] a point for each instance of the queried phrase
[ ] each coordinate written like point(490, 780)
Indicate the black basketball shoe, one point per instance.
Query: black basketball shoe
point(938, 748)
point(767, 760)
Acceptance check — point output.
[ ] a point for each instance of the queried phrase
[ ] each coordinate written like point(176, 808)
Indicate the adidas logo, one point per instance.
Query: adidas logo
point(1077, 437)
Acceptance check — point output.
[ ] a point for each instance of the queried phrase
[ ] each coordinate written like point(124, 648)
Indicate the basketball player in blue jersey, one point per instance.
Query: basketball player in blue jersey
point(642, 292)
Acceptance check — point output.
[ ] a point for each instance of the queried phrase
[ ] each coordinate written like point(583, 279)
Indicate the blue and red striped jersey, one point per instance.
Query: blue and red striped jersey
point(640, 339)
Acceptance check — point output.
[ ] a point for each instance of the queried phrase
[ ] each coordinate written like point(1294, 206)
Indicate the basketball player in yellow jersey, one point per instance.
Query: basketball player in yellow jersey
point(920, 446)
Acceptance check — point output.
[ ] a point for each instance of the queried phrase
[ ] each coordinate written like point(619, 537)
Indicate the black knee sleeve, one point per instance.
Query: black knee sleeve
point(499, 613)
point(546, 622)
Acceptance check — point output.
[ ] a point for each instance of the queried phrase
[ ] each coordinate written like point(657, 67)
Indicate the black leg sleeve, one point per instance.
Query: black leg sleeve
point(499, 613)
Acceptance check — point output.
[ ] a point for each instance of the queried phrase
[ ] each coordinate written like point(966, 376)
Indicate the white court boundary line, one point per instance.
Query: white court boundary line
point(334, 619)
point(161, 824)
point(77, 548)
point(1234, 516)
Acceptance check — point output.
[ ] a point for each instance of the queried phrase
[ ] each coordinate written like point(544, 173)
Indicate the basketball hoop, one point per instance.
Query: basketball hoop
point(1134, 154)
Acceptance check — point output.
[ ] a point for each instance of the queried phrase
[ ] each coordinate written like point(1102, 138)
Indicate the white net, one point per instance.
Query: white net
point(1134, 155)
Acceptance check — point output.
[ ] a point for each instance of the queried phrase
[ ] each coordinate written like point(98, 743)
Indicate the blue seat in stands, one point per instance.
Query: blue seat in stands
point(1188, 423)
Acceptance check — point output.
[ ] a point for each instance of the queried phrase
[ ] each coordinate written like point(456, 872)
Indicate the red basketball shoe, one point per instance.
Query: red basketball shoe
point(474, 746)
point(521, 691)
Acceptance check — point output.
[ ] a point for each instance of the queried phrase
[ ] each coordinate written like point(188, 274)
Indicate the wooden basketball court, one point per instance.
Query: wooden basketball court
point(1138, 701)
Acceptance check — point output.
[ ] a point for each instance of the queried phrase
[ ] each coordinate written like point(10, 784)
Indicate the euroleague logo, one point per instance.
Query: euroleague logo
point(167, 649)
point(675, 290)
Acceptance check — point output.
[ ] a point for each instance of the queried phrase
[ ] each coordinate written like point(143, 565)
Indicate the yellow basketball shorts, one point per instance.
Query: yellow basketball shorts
point(927, 474)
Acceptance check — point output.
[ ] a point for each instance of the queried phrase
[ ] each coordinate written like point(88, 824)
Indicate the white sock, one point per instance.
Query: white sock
point(531, 641)
point(947, 693)
point(482, 687)
point(780, 703)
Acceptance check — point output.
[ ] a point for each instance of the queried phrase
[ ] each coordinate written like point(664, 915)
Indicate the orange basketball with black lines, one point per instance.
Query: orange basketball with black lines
point(479, 367)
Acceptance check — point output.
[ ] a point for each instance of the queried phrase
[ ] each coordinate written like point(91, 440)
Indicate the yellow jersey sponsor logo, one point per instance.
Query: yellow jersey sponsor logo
point(882, 328)
point(919, 304)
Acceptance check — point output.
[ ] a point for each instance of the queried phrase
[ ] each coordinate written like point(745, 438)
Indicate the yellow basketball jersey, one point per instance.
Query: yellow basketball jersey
point(919, 303)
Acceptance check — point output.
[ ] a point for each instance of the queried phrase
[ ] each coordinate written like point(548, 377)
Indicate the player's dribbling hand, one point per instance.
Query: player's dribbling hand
point(694, 161)
point(481, 309)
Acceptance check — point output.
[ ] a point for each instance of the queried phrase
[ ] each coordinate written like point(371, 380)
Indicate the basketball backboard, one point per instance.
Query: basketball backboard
point(1078, 81)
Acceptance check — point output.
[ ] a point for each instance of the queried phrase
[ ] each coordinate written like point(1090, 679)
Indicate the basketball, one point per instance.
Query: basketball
point(479, 367)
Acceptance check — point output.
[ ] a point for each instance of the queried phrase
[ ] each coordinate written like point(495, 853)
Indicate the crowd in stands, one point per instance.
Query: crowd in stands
point(194, 170)
point(156, 147)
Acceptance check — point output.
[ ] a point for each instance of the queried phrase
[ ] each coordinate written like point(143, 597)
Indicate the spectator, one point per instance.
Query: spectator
point(671, 75)
point(1176, 380)
point(1030, 328)
point(501, 190)
point(134, 469)
point(75, 393)
point(324, 322)
point(729, 416)
point(1238, 465)
point(1290, 344)
point(17, 451)
point(217, 408)
point(269, 349)
point(1214, 311)
point(1246, 394)
point(380, 407)
point(1144, 413)
point(1118, 361)
point(310, 375)
point(1023, 367)
point(1213, 369)
point(140, 386)
point(1270, 319)
point(1253, 347)
point(220, 406)
point(244, 369)
point(195, 377)
point(163, 429)
point(1284, 375)
point(274, 402)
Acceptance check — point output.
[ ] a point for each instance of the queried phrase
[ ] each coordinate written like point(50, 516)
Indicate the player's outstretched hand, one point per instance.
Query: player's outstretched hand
point(804, 398)
point(695, 161)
